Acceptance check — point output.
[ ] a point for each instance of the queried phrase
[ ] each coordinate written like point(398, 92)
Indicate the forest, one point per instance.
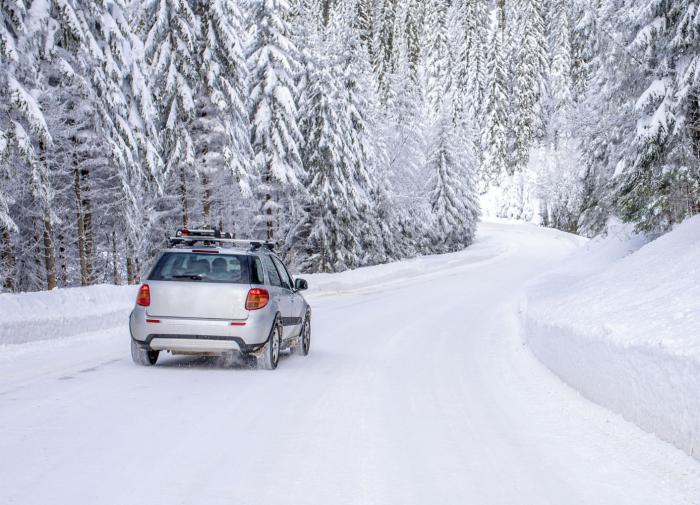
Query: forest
point(351, 132)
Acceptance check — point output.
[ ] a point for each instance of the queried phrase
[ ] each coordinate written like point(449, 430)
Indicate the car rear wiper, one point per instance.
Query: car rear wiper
point(193, 277)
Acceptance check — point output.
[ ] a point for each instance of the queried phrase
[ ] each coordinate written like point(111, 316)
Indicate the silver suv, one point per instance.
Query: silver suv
point(210, 294)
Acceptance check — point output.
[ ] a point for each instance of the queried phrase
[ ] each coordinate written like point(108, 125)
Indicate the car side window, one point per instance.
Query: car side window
point(271, 270)
point(258, 276)
point(286, 280)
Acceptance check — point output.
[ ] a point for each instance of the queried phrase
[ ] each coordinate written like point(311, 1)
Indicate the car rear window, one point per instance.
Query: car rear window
point(195, 267)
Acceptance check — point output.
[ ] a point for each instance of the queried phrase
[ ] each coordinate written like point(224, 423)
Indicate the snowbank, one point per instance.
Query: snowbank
point(620, 322)
point(376, 277)
point(27, 317)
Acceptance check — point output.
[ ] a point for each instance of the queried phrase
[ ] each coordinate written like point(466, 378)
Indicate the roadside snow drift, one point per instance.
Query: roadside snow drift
point(27, 317)
point(620, 322)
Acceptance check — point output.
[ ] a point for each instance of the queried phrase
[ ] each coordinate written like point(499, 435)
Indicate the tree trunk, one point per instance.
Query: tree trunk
point(115, 270)
point(694, 122)
point(80, 224)
point(183, 197)
point(269, 223)
point(206, 204)
point(45, 201)
point(502, 14)
point(267, 206)
point(130, 270)
point(35, 243)
point(326, 8)
point(87, 223)
point(49, 255)
point(62, 260)
point(9, 262)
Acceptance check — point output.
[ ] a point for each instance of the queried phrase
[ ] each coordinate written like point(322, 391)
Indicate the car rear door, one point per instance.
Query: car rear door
point(279, 291)
point(295, 317)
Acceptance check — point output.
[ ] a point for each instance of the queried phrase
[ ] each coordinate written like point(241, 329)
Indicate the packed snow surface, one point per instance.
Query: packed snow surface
point(418, 390)
point(620, 321)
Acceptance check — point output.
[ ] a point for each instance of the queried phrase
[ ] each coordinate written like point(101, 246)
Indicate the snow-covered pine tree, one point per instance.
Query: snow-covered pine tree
point(365, 24)
point(585, 45)
point(101, 147)
point(438, 57)
point(362, 111)
point(561, 67)
point(494, 138)
point(342, 226)
point(273, 62)
point(470, 73)
point(659, 184)
point(686, 41)
point(19, 119)
point(406, 151)
point(170, 31)
point(454, 186)
point(221, 130)
point(414, 16)
point(606, 116)
point(384, 44)
point(328, 233)
point(530, 82)
point(557, 175)
point(529, 67)
point(128, 120)
point(26, 138)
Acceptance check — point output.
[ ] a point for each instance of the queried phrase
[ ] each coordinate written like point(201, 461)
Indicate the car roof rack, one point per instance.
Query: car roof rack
point(210, 236)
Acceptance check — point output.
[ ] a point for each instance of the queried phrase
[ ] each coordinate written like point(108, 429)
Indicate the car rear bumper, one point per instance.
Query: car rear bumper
point(196, 344)
point(199, 335)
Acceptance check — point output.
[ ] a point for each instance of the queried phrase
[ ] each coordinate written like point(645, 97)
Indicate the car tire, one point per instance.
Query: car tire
point(304, 345)
point(143, 357)
point(270, 356)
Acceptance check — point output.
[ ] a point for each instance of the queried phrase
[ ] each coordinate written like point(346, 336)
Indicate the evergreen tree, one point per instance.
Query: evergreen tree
point(220, 129)
point(24, 137)
point(530, 79)
point(438, 55)
point(561, 86)
point(273, 62)
point(454, 194)
point(342, 227)
point(453, 187)
point(329, 230)
point(406, 150)
point(471, 60)
point(171, 32)
point(585, 44)
point(495, 164)
point(659, 183)
point(221, 101)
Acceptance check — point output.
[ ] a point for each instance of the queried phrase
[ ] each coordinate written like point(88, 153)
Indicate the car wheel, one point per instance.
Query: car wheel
point(271, 352)
point(143, 356)
point(304, 344)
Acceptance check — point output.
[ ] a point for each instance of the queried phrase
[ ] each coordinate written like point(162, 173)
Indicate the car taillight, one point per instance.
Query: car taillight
point(257, 299)
point(144, 296)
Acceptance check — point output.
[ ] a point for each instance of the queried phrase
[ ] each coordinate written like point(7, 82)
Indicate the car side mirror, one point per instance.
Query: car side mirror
point(300, 284)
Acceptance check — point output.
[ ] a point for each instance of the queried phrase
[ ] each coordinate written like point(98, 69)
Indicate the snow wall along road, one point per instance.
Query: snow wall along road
point(45, 315)
point(620, 322)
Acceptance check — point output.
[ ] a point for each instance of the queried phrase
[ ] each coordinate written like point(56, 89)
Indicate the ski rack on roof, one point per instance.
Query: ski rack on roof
point(211, 236)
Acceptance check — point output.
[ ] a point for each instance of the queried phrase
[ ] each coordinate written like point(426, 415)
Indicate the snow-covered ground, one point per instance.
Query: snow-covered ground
point(620, 321)
point(418, 390)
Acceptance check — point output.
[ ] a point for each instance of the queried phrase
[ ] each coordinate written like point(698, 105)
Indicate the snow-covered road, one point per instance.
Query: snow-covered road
point(418, 390)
